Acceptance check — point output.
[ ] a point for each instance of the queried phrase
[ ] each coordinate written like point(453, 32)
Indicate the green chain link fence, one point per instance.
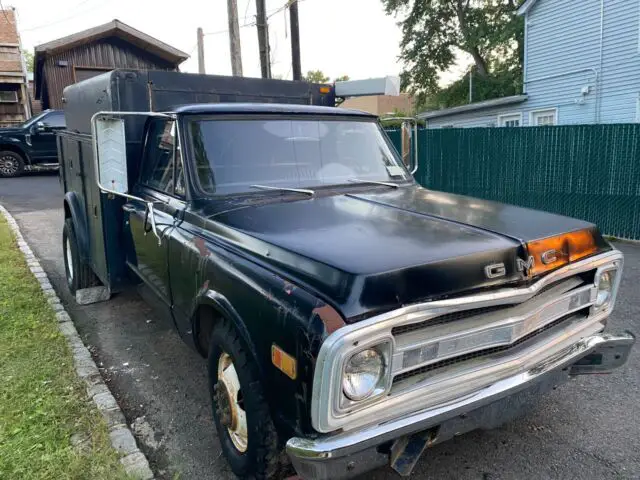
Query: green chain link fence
point(590, 172)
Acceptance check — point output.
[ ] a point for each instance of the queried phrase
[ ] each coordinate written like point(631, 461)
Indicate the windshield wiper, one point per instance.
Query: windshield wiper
point(285, 189)
point(374, 182)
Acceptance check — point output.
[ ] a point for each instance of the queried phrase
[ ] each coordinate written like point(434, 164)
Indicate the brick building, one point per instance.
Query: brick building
point(14, 96)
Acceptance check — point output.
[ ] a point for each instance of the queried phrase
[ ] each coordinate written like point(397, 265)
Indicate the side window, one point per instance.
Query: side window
point(54, 120)
point(158, 164)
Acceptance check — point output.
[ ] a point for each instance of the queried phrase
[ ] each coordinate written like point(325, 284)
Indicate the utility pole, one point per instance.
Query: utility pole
point(295, 40)
point(234, 38)
point(200, 51)
point(263, 38)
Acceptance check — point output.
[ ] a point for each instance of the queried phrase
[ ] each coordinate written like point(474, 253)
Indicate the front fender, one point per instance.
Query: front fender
point(222, 305)
point(74, 208)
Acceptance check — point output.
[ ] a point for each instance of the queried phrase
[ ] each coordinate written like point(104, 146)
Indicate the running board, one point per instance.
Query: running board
point(42, 167)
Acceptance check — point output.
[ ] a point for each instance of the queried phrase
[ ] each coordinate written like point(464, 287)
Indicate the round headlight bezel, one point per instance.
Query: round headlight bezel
point(606, 283)
point(376, 359)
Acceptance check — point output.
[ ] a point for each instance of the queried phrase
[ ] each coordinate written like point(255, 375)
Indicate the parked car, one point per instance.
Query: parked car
point(31, 146)
point(349, 317)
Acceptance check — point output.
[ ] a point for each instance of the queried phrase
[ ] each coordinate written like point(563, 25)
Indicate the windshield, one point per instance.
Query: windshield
point(35, 119)
point(233, 155)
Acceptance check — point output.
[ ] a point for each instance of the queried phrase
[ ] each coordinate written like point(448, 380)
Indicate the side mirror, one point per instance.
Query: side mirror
point(110, 157)
point(409, 140)
point(40, 127)
point(406, 131)
point(110, 154)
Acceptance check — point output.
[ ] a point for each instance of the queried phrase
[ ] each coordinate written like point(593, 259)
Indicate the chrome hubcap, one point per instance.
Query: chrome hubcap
point(8, 165)
point(230, 403)
point(67, 252)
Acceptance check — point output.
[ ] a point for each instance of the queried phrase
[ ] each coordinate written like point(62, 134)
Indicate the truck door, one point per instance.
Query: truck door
point(161, 182)
point(43, 136)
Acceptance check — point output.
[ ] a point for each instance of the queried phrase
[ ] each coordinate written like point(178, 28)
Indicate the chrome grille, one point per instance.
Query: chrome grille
point(456, 337)
point(488, 351)
point(572, 283)
point(449, 317)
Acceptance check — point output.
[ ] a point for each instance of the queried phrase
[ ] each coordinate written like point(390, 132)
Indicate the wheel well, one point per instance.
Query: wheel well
point(205, 318)
point(15, 149)
point(67, 210)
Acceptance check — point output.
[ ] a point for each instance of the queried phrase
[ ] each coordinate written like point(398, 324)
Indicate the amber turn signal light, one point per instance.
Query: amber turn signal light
point(283, 361)
point(551, 253)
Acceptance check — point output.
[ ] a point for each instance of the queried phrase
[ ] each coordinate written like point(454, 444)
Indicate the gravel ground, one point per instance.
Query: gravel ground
point(587, 429)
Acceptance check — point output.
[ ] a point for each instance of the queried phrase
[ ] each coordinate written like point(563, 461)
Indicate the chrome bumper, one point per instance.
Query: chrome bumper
point(351, 453)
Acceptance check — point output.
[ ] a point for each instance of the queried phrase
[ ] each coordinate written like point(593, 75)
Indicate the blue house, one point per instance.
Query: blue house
point(581, 66)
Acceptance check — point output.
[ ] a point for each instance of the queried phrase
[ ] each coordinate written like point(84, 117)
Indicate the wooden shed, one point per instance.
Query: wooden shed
point(70, 59)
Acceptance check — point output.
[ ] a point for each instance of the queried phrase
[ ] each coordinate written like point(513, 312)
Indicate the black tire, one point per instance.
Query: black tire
point(79, 275)
point(262, 458)
point(11, 164)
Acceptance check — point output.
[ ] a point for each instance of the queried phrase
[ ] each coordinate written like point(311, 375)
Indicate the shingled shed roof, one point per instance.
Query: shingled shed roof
point(115, 28)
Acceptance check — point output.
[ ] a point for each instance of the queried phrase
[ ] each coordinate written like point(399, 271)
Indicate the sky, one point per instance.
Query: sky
point(339, 37)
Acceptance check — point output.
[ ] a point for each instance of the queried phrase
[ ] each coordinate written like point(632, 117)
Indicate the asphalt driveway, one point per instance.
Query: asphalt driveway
point(589, 428)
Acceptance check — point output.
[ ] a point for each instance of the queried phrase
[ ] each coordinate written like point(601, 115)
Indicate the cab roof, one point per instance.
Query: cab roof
point(281, 108)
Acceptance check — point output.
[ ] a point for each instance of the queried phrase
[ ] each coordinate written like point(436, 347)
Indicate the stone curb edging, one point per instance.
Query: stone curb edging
point(135, 463)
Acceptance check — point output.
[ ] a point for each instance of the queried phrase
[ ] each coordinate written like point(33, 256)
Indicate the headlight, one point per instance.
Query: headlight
point(362, 374)
point(605, 288)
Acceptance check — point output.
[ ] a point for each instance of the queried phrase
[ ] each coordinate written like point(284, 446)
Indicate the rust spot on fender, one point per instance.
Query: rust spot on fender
point(201, 246)
point(330, 318)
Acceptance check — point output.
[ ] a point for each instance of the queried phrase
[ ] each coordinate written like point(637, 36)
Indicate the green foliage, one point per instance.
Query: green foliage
point(434, 31)
point(42, 401)
point(28, 59)
point(318, 76)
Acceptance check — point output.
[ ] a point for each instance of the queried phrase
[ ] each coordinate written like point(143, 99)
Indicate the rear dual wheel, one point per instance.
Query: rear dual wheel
point(79, 274)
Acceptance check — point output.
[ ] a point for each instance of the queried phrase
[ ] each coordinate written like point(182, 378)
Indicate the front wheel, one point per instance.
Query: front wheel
point(11, 164)
point(243, 421)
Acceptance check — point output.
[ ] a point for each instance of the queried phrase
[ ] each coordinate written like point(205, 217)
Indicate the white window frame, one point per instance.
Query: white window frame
point(15, 97)
point(508, 117)
point(638, 109)
point(533, 113)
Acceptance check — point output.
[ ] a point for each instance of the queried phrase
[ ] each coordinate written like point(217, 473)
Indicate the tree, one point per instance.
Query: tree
point(316, 76)
point(28, 59)
point(341, 78)
point(434, 31)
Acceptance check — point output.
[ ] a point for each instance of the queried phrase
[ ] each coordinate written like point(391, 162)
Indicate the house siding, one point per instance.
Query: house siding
point(562, 58)
point(563, 42)
point(487, 117)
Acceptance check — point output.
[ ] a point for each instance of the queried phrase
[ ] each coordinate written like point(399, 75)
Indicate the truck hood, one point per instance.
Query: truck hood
point(375, 251)
point(10, 131)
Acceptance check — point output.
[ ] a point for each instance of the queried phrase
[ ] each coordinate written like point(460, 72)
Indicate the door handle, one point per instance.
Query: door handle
point(129, 208)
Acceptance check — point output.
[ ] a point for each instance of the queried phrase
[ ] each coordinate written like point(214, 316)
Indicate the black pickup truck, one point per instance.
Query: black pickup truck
point(349, 317)
point(31, 146)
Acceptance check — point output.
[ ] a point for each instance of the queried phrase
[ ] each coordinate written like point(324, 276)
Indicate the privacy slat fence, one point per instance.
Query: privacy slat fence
point(585, 171)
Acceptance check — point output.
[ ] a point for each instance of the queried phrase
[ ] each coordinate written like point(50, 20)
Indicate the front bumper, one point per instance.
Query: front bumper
point(347, 454)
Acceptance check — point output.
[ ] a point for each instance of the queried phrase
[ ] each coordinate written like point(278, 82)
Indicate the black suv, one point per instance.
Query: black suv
point(31, 146)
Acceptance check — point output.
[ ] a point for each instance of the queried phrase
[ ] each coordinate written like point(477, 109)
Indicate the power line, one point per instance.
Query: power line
point(246, 10)
point(251, 24)
point(5, 13)
point(64, 19)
